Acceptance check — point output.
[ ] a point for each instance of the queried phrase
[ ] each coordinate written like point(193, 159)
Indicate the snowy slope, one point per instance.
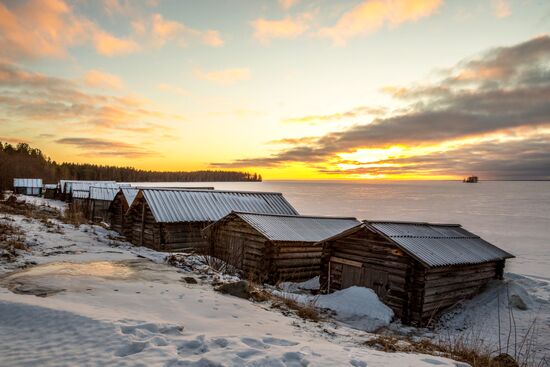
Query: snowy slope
point(108, 304)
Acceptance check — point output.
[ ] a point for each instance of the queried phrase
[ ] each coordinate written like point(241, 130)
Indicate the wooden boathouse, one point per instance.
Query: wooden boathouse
point(273, 248)
point(119, 206)
point(417, 269)
point(170, 219)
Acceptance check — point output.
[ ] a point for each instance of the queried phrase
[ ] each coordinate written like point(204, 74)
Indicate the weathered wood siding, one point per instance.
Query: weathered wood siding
point(80, 205)
point(242, 246)
point(236, 243)
point(183, 237)
point(295, 261)
point(98, 210)
point(444, 287)
point(367, 259)
point(117, 214)
point(413, 291)
point(142, 228)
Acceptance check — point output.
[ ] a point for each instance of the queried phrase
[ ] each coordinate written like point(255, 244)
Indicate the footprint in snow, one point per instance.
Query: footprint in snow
point(279, 342)
point(133, 348)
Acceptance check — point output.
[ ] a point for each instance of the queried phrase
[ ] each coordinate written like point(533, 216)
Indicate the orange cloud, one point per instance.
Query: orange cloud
point(109, 45)
point(371, 15)
point(157, 31)
point(226, 76)
point(97, 78)
point(265, 30)
point(501, 8)
point(287, 4)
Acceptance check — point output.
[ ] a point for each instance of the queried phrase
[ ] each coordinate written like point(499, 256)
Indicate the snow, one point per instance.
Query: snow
point(81, 296)
point(357, 307)
point(308, 285)
point(479, 317)
point(40, 201)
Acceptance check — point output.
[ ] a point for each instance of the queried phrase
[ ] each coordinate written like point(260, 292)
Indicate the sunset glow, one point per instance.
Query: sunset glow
point(358, 89)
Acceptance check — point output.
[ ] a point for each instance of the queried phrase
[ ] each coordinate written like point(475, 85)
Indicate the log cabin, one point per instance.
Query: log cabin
point(124, 199)
point(118, 208)
point(100, 201)
point(272, 248)
point(417, 269)
point(172, 220)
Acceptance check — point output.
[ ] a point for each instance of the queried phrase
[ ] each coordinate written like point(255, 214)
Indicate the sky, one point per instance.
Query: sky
point(291, 89)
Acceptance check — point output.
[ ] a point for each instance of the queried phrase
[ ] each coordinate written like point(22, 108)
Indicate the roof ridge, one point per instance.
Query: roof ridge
point(411, 223)
point(204, 190)
point(295, 216)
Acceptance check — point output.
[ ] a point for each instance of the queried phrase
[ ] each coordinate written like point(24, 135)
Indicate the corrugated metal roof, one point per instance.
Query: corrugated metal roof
point(440, 244)
point(69, 185)
point(130, 194)
point(106, 193)
point(27, 182)
point(292, 228)
point(50, 186)
point(81, 194)
point(172, 206)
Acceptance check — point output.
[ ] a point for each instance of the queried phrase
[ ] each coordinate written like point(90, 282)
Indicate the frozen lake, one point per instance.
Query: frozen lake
point(512, 215)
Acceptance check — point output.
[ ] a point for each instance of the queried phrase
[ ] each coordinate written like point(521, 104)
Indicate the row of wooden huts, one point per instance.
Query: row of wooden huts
point(416, 268)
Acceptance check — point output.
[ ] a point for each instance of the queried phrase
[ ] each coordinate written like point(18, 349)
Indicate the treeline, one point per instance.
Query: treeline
point(24, 161)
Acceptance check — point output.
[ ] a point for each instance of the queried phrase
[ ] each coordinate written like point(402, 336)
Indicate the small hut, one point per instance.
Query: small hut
point(417, 269)
point(66, 187)
point(27, 186)
point(171, 219)
point(80, 201)
point(272, 247)
point(119, 206)
point(50, 190)
point(100, 201)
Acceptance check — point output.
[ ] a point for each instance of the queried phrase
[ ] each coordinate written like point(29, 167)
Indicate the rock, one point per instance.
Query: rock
point(504, 360)
point(239, 289)
point(517, 302)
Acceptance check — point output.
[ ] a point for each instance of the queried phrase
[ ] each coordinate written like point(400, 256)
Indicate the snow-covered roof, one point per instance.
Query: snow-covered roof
point(27, 182)
point(69, 185)
point(172, 206)
point(439, 244)
point(130, 194)
point(50, 186)
point(296, 228)
point(81, 194)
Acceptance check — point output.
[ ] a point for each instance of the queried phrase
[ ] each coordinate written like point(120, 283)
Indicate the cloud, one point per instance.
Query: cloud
point(158, 31)
point(511, 100)
point(354, 113)
point(287, 4)
point(62, 105)
point(289, 27)
point(32, 29)
point(173, 89)
point(501, 8)
point(109, 45)
point(225, 76)
point(48, 28)
point(102, 147)
point(371, 15)
point(101, 79)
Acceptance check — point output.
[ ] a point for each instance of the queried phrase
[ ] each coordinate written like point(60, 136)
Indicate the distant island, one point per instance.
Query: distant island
point(22, 160)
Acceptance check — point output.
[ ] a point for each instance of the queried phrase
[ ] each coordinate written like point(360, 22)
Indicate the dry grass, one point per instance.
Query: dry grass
point(12, 240)
point(74, 217)
point(304, 311)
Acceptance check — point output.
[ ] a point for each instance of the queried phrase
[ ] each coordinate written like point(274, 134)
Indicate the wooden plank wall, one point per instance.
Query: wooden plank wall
point(98, 210)
point(183, 237)
point(117, 212)
point(142, 228)
point(446, 286)
point(383, 267)
point(236, 243)
point(295, 261)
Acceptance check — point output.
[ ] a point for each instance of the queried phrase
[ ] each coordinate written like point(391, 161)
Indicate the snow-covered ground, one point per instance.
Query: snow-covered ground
point(79, 297)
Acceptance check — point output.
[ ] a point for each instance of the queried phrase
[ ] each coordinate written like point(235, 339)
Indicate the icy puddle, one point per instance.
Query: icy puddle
point(52, 278)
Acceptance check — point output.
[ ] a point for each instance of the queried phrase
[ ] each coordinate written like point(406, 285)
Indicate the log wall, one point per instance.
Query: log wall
point(413, 291)
point(242, 246)
point(117, 213)
point(98, 210)
point(367, 259)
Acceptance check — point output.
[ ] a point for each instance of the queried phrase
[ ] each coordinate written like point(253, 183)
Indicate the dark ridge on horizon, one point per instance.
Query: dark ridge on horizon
point(23, 161)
